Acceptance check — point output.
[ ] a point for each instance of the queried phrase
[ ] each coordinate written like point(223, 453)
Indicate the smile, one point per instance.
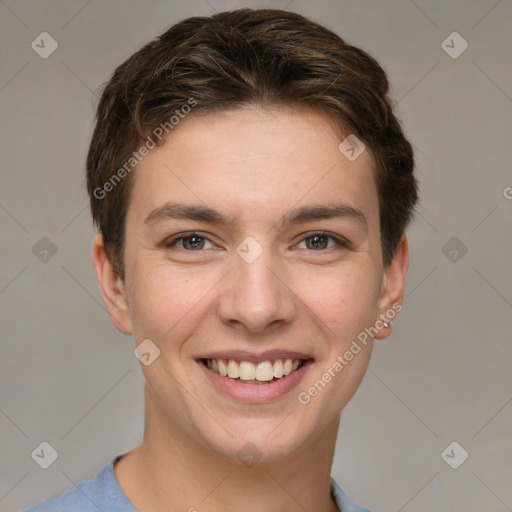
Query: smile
point(250, 373)
point(253, 378)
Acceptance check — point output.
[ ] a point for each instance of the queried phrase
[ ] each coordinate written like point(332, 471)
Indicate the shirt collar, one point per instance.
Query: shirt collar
point(110, 490)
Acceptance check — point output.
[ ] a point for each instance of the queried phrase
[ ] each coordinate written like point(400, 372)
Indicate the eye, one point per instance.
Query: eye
point(320, 241)
point(189, 242)
point(195, 242)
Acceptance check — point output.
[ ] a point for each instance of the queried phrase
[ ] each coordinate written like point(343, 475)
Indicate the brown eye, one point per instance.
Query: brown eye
point(317, 242)
point(322, 241)
point(190, 242)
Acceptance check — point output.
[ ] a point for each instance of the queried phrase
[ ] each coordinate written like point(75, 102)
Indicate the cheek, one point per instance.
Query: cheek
point(162, 301)
point(344, 298)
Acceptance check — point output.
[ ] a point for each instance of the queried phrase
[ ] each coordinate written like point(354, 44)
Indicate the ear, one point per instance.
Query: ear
point(112, 288)
point(393, 282)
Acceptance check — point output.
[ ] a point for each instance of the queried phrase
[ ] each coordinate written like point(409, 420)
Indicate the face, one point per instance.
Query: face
point(252, 240)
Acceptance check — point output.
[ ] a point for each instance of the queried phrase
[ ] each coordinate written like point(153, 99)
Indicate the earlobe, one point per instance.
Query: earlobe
point(111, 286)
point(393, 283)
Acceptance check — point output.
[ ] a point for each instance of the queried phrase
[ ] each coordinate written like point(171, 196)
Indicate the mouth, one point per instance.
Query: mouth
point(255, 378)
point(247, 372)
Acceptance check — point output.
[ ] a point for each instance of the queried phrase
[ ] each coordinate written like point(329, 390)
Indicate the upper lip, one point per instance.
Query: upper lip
point(255, 357)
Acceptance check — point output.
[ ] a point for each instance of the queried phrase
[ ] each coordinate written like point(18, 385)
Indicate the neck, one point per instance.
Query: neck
point(172, 467)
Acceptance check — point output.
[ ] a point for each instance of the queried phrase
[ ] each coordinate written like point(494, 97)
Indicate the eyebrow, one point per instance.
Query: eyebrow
point(197, 212)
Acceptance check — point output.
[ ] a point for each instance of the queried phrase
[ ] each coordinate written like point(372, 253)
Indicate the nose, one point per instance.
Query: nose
point(255, 296)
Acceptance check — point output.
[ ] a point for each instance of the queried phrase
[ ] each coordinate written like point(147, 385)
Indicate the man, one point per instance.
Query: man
point(251, 187)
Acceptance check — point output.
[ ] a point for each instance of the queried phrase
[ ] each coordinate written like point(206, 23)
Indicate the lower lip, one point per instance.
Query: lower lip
point(256, 393)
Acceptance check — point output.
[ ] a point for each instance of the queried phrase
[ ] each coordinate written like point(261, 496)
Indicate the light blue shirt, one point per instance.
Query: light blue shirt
point(102, 493)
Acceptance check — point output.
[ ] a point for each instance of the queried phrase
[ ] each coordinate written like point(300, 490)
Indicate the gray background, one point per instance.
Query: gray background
point(69, 378)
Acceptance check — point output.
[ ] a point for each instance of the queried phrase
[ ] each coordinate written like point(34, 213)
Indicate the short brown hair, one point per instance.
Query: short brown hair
point(238, 58)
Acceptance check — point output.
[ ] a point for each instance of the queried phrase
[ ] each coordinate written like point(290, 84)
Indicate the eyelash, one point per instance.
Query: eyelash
point(340, 242)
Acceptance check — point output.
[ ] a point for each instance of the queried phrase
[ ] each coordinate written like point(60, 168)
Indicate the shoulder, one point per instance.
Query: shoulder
point(345, 504)
point(72, 500)
point(99, 493)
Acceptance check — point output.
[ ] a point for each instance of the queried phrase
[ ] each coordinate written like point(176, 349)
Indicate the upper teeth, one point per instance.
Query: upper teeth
point(244, 370)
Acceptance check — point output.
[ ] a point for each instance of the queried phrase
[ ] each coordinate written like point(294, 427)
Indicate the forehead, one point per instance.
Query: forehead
point(253, 162)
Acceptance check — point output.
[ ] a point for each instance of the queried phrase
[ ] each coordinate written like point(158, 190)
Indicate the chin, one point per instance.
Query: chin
point(262, 441)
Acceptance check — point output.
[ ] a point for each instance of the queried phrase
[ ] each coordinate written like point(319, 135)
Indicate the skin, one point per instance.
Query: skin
point(253, 165)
